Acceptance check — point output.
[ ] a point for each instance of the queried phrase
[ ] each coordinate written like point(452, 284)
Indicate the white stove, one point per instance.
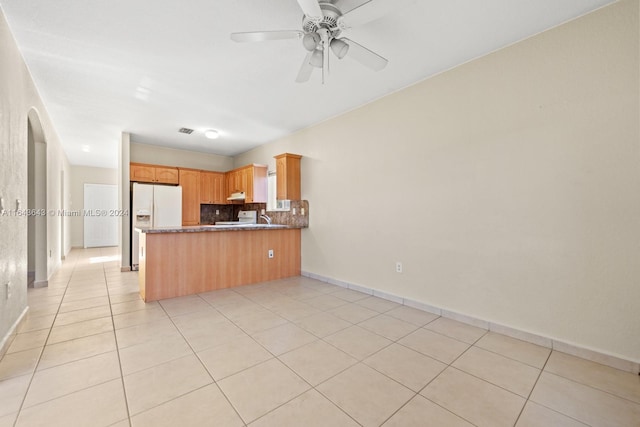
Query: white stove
point(244, 218)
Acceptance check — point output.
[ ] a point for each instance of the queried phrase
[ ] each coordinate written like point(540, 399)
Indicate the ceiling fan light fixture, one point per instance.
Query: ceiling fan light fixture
point(212, 134)
point(339, 48)
point(316, 58)
point(310, 41)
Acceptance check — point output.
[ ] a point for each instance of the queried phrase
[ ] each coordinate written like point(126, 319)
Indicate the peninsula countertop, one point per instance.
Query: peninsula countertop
point(209, 228)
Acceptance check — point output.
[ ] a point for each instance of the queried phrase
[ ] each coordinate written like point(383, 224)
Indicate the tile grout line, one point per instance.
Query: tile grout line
point(543, 370)
point(277, 357)
point(365, 364)
point(450, 365)
point(332, 345)
point(200, 361)
point(509, 357)
point(115, 337)
point(534, 386)
point(322, 339)
point(35, 368)
point(595, 388)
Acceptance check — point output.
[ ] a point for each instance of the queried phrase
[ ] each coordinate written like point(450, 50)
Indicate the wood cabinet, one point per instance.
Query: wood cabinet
point(139, 172)
point(288, 176)
point(212, 188)
point(190, 183)
point(177, 264)
point(252, 180)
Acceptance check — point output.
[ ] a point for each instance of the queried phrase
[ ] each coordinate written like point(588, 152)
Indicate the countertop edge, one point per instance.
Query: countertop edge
point(213, 228)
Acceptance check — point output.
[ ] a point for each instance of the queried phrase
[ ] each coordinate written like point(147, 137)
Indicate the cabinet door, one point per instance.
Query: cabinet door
point(288, 177)
point(246, 183)
point(190, 182)
point(206, 187)
point(281, 178)
point(140, 173)
point(233, 182)
point(219, 189)
point(258, 183)
point(166, 175)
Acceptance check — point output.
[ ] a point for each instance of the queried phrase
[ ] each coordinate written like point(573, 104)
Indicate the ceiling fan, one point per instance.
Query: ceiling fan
point(322, 24)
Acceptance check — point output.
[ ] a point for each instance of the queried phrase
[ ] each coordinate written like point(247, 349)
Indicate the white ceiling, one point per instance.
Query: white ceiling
point(150, 67)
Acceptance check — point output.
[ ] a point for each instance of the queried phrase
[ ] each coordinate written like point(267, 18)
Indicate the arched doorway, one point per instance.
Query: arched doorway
point(36, 202)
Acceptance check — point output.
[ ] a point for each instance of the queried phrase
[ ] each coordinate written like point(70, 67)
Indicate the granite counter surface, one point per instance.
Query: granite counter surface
point(209, 228)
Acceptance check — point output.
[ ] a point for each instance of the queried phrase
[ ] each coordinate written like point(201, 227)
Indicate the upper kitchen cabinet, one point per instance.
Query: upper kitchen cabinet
point(212, 188)
point(288, 176)
point(251, 180)
point(190, 182)
point(139, 172)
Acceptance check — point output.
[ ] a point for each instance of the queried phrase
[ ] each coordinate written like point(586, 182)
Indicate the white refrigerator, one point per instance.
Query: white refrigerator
point(153, 206)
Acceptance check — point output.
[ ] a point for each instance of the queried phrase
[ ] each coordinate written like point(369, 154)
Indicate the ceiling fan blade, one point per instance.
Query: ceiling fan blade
point(305, 70)
point(260, 36)
point(365, 56)
point(370, 11)
point(311, 8)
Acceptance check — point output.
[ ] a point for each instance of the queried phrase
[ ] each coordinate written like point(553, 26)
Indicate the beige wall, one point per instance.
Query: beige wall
point(143, 153)
point(81, 175)
point(20, 98)
point(509, 187)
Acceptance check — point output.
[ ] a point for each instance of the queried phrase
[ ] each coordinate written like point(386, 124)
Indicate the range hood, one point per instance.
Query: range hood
point(236, 196)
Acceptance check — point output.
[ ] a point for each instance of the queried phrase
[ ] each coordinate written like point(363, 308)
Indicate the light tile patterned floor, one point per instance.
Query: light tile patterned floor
point(294, 352)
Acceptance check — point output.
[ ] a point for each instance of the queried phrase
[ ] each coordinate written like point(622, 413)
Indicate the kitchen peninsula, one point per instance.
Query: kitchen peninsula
point(177, 261)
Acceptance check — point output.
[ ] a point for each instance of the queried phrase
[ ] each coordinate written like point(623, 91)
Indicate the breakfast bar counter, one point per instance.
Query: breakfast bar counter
point(177, 261)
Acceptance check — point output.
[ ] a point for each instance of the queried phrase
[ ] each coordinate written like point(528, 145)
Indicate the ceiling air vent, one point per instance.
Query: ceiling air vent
point(186, 130)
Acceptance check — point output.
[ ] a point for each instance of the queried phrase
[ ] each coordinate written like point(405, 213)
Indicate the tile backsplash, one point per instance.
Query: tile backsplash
point(208, 213)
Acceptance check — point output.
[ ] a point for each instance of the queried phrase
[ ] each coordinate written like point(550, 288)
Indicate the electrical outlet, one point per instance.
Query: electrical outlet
point(217, 211)
point(293, 211)
point(398, 267)
point(270, 253)
point(302, 211)
point(263, 212)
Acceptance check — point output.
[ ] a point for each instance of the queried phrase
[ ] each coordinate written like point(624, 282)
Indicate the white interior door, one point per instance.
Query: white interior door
point(100, 219)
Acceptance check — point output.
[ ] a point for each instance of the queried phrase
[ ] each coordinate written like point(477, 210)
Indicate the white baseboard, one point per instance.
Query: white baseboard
point(41, 284)
point(552, 343)
point(8, 338)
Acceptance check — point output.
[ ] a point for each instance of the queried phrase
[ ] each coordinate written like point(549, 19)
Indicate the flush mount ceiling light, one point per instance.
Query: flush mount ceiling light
point(212, 134)
point(86, 148)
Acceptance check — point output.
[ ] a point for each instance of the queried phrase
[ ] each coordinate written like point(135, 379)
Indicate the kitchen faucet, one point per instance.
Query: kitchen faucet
point(266, 218)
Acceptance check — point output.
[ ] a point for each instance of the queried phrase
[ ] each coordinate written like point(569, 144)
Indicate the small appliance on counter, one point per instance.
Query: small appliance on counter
point(244, 217)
